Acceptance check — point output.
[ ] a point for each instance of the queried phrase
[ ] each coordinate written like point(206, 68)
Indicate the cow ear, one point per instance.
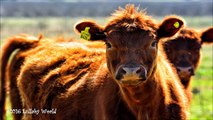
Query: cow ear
point(170, 26)
point(90, 31)
point(207, 36)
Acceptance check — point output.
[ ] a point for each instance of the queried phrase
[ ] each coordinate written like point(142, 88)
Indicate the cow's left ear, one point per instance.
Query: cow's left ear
point(170, 26)
point(207, 36)
point(89, 30)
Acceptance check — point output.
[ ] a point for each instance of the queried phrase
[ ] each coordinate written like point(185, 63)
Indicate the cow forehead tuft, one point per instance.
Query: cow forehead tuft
point(130, 19)
point(189, 34)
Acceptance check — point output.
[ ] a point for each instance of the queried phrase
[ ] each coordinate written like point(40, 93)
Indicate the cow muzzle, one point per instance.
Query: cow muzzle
point(184, 72)
point(131, 74)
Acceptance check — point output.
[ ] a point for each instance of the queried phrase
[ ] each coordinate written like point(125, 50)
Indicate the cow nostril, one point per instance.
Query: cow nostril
point(191, 71)
point(123, 71)
point(178, 69)
point(138, 71)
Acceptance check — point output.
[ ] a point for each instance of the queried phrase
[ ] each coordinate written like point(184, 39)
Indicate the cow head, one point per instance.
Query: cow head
point(131, 39)
point(184, 51)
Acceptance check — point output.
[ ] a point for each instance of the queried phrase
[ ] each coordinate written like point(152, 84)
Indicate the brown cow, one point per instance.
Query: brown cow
point(184, 53)
point(76, 80)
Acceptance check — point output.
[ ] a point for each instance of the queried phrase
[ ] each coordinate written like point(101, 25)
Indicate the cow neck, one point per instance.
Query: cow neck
point(141, 98)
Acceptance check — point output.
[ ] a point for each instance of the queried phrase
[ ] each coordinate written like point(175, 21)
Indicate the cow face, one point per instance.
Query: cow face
point(131, 40)
point(184, 51)
point(131, 55)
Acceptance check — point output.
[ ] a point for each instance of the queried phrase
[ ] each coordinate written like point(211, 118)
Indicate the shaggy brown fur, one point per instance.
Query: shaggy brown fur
point(184, 52)
point(76, 80)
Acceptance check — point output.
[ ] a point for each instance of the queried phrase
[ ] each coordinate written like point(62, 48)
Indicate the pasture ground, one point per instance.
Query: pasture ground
point(202, 85)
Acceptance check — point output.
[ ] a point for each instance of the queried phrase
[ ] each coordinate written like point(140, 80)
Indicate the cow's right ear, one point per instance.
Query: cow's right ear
point(89, 30)
point(207, 36)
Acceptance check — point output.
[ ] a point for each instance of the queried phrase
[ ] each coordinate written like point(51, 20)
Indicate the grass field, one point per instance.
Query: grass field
point(202, 103)
point(53, 27)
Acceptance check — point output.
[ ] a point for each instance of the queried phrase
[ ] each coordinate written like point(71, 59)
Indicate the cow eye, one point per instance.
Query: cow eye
point(154, 44)
point(167, 49)
point(108, 45)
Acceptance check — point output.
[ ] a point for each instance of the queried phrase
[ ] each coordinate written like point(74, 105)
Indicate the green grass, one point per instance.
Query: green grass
point(202, 103)
point(8, 106)
point(53, 27)
point(49, 27)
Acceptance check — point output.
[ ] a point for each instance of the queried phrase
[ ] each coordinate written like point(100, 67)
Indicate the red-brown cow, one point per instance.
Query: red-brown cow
point(133, 81)
point(184, 52)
